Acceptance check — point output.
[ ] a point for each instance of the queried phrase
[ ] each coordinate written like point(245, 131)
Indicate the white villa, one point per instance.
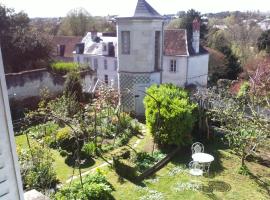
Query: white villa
point(144, 53)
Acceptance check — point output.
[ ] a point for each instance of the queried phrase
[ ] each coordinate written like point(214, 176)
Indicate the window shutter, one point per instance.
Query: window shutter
point(4, 191)
point(10, 180)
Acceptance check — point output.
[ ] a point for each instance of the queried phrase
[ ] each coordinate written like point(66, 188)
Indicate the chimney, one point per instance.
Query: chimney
point(196, 35)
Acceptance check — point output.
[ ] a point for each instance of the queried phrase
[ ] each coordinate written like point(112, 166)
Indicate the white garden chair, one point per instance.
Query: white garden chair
point(195, 168)
point(197, 147)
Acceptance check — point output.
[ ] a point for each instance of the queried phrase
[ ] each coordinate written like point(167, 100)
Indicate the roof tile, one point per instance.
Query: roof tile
point(175, 42)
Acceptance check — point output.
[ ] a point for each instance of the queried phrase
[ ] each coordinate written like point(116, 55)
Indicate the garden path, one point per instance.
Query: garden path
point(109, 162)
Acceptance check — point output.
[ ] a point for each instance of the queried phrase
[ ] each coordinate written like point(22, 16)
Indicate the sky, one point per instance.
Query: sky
point(59, 8)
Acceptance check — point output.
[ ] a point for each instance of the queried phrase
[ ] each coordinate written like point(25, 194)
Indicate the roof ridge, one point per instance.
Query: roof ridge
point(144, 9)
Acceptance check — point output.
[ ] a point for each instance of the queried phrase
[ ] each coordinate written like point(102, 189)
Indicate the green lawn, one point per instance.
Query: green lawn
point(174, 182)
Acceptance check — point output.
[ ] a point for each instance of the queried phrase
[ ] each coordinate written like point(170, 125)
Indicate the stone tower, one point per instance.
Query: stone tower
point(140, 40)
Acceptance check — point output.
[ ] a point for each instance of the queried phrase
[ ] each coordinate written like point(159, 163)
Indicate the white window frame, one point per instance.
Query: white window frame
point(173, 66)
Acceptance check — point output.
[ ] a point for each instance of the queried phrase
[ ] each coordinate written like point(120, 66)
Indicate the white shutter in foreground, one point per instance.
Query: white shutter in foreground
point(10, 179)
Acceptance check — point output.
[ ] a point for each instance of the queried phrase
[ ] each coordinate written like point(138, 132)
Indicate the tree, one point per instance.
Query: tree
point(216, 39)
point(244, 125)
point(169, 114)
point(22, 48)
point(242, 35)
point(76, 23)
point(186, 20)
point(217, 66)
point(263, 42)
point(73, 86)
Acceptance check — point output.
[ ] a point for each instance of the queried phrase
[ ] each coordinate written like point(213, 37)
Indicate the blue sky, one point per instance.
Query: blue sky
point(57, 8)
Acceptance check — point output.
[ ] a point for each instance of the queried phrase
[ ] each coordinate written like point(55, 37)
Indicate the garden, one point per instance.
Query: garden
point(76, 147)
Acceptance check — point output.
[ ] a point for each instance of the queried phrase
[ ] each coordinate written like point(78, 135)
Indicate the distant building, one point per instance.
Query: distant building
point(99, 52)
point(63, 47)
point(169, 17)
point(265, 24)
point(143, 53)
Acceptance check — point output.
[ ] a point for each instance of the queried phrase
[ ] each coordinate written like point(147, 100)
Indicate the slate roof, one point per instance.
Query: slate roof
point(95, 48)
point(175, 42)
point(68, 41)
point(144, 9)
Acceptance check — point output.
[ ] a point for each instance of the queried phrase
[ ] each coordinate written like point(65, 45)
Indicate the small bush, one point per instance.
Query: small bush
point(36, 167)
point(63, 153)
point(63, 134)
point(73, 87)
point(89, 148)
point(145, 160)
point(65, 139)
point(169, 114)
point(95, 187)
point(124, 168)
point(123, 153)
point(41, 130)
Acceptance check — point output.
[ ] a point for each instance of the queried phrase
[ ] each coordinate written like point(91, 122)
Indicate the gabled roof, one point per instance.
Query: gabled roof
point(175, 42)
point(68, 41)
point(144, 9)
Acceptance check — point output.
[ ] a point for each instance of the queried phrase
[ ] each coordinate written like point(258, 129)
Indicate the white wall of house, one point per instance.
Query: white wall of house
point(142, 44)
point(198, 69)
point(178, 77)
point(110, 71)
point(10, 178)
point(96, 62)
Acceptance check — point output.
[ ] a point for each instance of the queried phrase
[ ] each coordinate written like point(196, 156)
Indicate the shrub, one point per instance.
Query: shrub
point(64, 67)
point(122, 152)
point(124, 168)
point(65, 139)
point(89, 148)
point(95, 187)
point(36, 167)
point(73, 86)
point(176, 117)
point(243, 89)
point(145, 160)
point(63, 153)
point(41, 130)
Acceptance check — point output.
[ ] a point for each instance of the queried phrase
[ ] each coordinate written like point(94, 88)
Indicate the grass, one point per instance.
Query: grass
point(63, 170)
point(174, 182)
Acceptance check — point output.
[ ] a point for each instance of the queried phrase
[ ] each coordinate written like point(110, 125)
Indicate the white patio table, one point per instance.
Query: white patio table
point(205, 159)
point(202, 157)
